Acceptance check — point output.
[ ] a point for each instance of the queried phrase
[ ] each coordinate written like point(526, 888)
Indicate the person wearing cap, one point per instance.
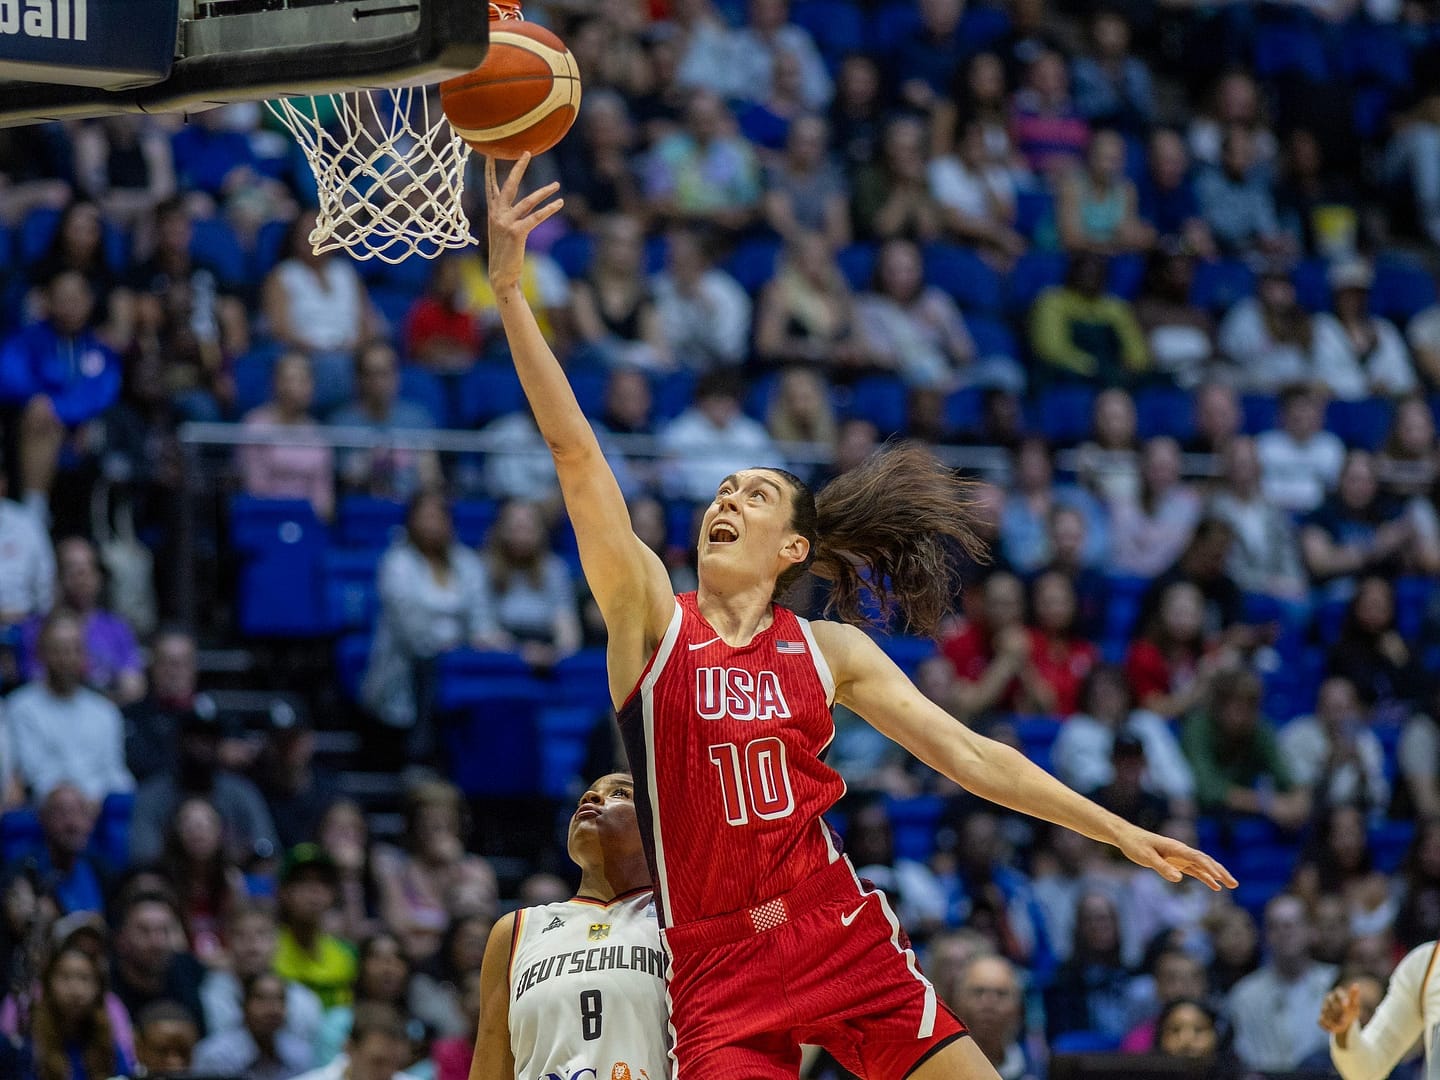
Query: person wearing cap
point(1126, 793)
point(1357, 354)
point(306, 954)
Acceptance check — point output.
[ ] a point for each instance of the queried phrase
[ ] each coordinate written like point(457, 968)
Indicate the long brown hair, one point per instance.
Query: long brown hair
point(893, 528)
point(48, 1031)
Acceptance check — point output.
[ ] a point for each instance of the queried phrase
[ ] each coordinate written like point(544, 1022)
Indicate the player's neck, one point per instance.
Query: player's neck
point(615, 878)
point(736, 616)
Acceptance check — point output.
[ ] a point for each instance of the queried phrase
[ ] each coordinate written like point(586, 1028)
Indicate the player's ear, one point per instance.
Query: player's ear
point(796, 549)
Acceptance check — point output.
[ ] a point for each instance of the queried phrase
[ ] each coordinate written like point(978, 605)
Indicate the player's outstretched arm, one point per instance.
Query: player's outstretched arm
point(494, 1058)
point(867, 681)
point(628, 580)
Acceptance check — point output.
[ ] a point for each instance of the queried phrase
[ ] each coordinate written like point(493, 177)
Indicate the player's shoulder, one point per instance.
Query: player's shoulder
point(840, 641)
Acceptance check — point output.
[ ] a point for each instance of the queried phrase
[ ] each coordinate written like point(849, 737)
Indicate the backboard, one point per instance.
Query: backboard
point(69, 59)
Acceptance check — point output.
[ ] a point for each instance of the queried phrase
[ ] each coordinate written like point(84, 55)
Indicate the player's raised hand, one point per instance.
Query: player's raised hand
point(1173, 860)
point(1340, 1009)
point(511, 222)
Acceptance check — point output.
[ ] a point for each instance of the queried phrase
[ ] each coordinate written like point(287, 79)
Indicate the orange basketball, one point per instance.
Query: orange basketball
point(523, 97)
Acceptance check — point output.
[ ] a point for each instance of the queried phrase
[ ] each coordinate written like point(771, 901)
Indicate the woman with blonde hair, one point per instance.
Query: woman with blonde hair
point(800, 410)
point(804, 315)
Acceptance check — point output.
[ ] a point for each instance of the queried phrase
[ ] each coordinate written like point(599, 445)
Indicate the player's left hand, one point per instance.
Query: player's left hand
point(1172, 860)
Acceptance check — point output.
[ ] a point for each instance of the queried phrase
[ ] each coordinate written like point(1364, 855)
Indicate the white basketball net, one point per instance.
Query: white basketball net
point(391, 176)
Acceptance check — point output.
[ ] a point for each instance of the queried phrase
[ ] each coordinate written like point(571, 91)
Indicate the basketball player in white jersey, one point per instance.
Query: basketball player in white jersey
point(576, 990)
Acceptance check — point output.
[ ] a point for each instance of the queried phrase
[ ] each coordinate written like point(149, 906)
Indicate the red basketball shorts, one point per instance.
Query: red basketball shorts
point(825, 964)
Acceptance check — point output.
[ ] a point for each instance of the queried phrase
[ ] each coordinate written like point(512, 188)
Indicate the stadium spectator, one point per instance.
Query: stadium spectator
point(62, 377)
point(992, 897)
point(1236, 758)
point(979, 94)
point(988, 991)
point(870, 842)
point(451, 1055)
point(1236, 941)
point(61, 730)
point(706, 173)
point(703, 313)
point(1167, 199)
point(384, 975)
point(434, 597)
point(149, 964)
point(1418, 755)
point(431, 880)
point(977, 196)
point(925, 59)
point(530, 587)
point(1273, 1009)
point(1171, 662)
point(1031, 502)
point(804, 191)
point(1112, 85)
point(1049, 132)
point(1079, 332)
point(1360, 530)
point(1180, 336)
point(1029, 37)
point(1236, 200)
point(755, 49)
point(1269, 337)
point(800, 410)
point(165, 1038)
point(208, 885)
point(1235, 101)
point(438, 992)
point(1334, 753)
point(1264, 554)
point(1177, 976)
point(596, 165)
point(1090, 991)
point(73, 878)
point(613, 309)
point(891, 198)
point(114, 663)
point(439, 333)
point(261, 1048)
point(1373, 654)
point(543, 283)
point(1409, 158)
point(992, 655)
point(806, 312)
point(857, 113)
point(1300, 462)
point(344, 835)
point(317, 305)
point(70, 1034)
point(78, 243)
point(1423, 336)
point(1069, 547)
point(1082, 752)
point(1150, 532)
point(1108, 462)
point(252, 942)
point(1329, 912)
point(228, 156)
point(1126, 794)
point(249, 833)
point(1338, 864)
point(711, 439)
point(1203, 564)
point(1062, 659)
point(1409, 462)
point(384, 472)
point(1097, 202)
point(27, 572)
point(306, 954)
point(377, 1049)
point(1357, 354)
point(297, 791)
point(1192, 1030)
point(294, 471)
point(1313, 198)
point(1417, 918)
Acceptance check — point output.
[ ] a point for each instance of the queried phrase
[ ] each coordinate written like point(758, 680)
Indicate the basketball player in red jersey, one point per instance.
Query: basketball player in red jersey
point(724, 700)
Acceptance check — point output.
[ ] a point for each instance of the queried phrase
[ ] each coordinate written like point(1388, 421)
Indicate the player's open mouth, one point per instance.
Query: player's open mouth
point(723, 533)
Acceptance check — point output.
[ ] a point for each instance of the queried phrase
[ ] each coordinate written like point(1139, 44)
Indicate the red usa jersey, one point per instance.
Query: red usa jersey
point(725, 745)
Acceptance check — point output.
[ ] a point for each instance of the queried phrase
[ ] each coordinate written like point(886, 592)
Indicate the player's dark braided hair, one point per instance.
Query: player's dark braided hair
point(894, 527)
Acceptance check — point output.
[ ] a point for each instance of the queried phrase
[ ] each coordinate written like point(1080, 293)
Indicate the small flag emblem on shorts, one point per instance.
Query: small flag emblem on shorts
point(789, 646)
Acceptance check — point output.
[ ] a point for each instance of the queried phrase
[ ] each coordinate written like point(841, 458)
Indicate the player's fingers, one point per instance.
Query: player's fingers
point(1163, 866)
point(535, 198)
point(517, 173)
point(492, 184)
point(545, 213)
point(1221, 877)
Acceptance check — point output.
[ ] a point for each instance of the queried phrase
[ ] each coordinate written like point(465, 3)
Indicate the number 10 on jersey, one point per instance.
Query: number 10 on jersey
point(754, 779)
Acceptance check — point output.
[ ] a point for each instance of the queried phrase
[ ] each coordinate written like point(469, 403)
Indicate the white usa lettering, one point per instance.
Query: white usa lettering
point(65, 20)
point(738, 694)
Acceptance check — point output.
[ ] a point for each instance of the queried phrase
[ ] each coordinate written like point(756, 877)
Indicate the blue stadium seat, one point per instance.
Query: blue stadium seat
point(20, 834)
point(752, 263)
point(964, 275)
point(1272, 862)
point(473, 518)
point(352, 654)
point(365, 522)
point(392, 303)
point(1375, 54)
point(1123, 594)
point(1034, 211)
point(214, 245)
point(992, 337)
point(1034, 272)
point(882, 400)
point(1413, 598)
point(1254, 895)
point(589, 385)
point(1065, 413)
point(411, 274)
point(252, 377)
point(674, 393)
point(762, 393)
point(110, 842)
point(269, 248)
point(426, 389)
point(1290, 49)
point(492, 743)
point(32, 239)
point(1037, 736)
point(1084, 1042)
point(857, 263)
point(913, 822)
point(965, 408)
point(352, 597)
point(890, 23)
point(1401, 290)
point(1371, 113)
point(1312, 284)
point(1220, 284)
point(836, 25)
point(1165, 410)
point(582, 679)
point(1389, 843)
point(907, 652)
point(1125, 274)
point(1363, 424)
point(564, 732)
point(573, 252)
point(486, 391)
point(282, 545)
point(1261, 412)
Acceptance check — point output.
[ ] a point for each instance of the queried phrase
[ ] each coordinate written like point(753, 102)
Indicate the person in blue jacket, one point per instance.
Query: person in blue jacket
point(59, 376)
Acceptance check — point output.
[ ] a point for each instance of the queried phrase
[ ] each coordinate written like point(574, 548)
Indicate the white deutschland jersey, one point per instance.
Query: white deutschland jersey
point(587, 991)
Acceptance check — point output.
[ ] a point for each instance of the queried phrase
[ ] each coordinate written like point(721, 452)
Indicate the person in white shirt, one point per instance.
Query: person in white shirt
point(740, 64)
point(704, 313)
point(1268, 336)
point(1273, 1009)
point(977, 195)
point(253, 941)
point(1409, 1012)
point(378, 1048)
point(1336, 746)
point(1423, 337)
point(1301, 461)
point(27, 561)
point(1357, 354)
point(61, 730)
point(712, 439)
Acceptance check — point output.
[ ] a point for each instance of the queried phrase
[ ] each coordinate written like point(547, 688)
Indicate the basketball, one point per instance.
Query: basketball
point(524, 97)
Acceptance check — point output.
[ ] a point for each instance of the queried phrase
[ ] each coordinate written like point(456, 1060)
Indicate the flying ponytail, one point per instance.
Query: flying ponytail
point(890, 531)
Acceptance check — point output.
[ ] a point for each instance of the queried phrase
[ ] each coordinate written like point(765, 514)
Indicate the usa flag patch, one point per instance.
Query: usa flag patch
point(790, 646)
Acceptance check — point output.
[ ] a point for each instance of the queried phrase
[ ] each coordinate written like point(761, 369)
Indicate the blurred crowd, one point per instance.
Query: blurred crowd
point(1158, 277)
